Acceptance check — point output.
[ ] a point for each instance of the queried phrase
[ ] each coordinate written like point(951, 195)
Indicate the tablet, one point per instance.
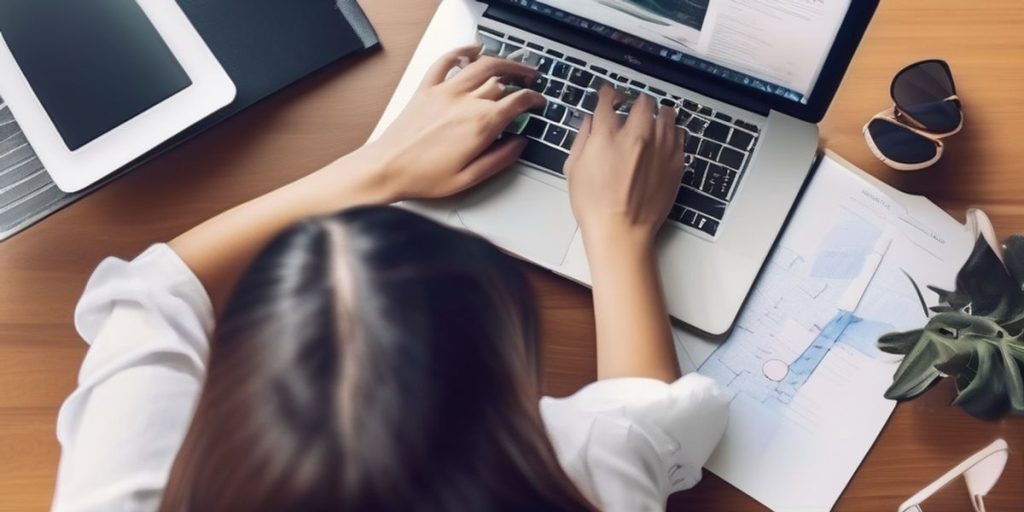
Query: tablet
point(96, 84)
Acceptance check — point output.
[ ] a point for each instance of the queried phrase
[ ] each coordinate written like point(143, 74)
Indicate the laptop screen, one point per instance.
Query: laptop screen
point(774, 46)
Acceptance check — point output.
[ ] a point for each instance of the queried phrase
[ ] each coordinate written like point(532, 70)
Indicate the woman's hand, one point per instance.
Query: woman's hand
point(443, 143)
point(624, 173)
point(444, 140)
point(623, 179)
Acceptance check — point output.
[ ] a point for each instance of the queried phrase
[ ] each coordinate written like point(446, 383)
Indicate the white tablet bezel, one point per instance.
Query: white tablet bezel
point(211, 90)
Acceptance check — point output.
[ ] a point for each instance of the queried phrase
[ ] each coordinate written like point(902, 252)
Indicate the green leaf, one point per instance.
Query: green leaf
point(985, 394)
point(916, 372)
point(900, 343)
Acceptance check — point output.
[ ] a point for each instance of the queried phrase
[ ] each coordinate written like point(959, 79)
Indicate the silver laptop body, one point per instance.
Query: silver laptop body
point(526, 211)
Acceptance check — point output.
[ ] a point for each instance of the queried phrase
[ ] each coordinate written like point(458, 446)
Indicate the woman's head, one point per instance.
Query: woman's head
point(373, 360)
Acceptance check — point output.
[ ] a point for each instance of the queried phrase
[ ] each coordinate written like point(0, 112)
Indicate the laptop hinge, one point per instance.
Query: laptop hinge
point(634, 59)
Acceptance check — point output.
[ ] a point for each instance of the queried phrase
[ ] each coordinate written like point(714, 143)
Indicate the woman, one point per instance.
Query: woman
point(374, 360)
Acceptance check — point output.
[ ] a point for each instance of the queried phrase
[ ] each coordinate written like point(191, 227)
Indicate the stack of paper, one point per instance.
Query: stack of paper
point(801, 363)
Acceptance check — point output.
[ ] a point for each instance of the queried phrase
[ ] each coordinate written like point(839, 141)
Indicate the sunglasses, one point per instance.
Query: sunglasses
point(980, 473)
point(909, 136)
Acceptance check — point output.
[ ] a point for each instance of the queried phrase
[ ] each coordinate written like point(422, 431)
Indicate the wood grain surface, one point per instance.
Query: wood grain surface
point(43, 270)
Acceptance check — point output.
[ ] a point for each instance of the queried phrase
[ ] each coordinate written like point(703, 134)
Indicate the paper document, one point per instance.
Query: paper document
point(801, 364)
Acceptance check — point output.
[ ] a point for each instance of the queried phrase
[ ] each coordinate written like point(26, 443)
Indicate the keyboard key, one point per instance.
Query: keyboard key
point(747, 126)
point(638, 85)
point(731, 158)
point(535, 128)
point(516, 40)
point(666, 102)
point(682, 118)
point(689, 216)
point(599, 69)
point(554, 53)
point(696, 125)
point(570, 138)
point(676, 213)
point(692, 144)
point(691, 106)
point(700, 166)
point(555, 135)
point(597, 83)
point(491, 46)
point(574, 119)
point(561, 70)
point(574, 60)
point(618, 78)
point(706, 111)
point(508, 49)
point(581, 77)
point(741, 140)
point(704, 204)
point(545, 156)
point(554, 89)
point(724, 117)
point(709, 226)
point(709, 149)
point(659, 92)
point(534, 46)
point(529, 58)
point(688, 177)
point(589, 101)
point(555, 112)
point(719, 181)
point(717, 131)
point(572, 95)
point(540, 84)
point(491, 31)
point(545, 65)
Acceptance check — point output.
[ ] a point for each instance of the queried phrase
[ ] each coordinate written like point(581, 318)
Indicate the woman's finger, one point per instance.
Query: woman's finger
point(488, 67)
point(516, 104)
point(665, 129)
point(463, 57)
point(641, 116)
point(579, 145)
point(499, 156)
point(605, 117)
point(492, 90)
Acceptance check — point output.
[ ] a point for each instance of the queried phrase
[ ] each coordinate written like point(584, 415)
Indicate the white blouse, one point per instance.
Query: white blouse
point(627, 443)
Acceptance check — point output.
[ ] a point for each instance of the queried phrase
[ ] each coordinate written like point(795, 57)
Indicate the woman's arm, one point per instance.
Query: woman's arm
point(443, 143)
point(623, 177)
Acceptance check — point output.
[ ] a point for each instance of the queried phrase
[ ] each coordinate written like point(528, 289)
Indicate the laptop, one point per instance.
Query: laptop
point(750, 78)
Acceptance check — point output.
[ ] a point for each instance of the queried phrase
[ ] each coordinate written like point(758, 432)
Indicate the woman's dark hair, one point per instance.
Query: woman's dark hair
point(373, 360)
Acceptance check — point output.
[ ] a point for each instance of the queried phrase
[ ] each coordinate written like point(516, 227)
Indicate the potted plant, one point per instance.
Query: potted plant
point(974, 336)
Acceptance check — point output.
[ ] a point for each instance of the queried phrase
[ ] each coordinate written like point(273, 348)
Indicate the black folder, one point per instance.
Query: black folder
point(265, 45)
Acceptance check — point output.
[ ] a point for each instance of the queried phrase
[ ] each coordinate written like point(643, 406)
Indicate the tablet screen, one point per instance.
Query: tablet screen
point(93, 64)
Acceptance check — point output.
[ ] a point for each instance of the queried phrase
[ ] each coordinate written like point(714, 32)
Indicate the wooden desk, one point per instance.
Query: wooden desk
point(43, 270)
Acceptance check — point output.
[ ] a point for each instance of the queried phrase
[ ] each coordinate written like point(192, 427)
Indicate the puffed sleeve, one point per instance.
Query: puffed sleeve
point(148, 323)
point(629, 443)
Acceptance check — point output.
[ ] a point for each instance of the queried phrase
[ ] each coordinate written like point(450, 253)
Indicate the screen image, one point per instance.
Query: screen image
point(775, 46)
point(93, 64)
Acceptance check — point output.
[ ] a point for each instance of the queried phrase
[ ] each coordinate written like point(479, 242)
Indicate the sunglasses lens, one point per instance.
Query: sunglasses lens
point(901, 145)
point(922, 91)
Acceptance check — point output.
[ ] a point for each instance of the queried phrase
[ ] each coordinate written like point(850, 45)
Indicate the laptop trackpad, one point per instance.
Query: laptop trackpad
point(522, 215)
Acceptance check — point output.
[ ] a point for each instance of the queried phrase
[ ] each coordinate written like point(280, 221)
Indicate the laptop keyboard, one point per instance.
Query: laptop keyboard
point(718, 147)
point(26, 192)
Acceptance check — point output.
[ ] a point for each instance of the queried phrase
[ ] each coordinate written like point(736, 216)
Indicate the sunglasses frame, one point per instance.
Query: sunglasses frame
point(977, 499)
point(899, 117)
